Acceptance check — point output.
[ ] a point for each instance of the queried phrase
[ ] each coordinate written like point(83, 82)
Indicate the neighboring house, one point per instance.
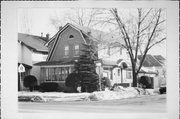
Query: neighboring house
point(65, 48)
point(31, 49)
point(154, 63)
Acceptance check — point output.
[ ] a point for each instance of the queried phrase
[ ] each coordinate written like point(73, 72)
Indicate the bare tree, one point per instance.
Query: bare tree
point(140, 34)
point(78, 16)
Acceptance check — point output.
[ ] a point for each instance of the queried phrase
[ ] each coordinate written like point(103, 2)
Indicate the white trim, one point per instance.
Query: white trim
point(51, 39)
point(123, 61)
point(48, 58)
point(51, 66)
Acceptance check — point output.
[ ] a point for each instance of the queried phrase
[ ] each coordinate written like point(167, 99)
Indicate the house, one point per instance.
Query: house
point(31, 49)
point(65, 48)
point(154, 66)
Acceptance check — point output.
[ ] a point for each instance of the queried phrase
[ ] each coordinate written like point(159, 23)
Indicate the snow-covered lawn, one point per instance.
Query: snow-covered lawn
point(117, 93)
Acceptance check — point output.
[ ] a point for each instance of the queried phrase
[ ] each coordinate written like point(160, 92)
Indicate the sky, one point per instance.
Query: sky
point(38, 20)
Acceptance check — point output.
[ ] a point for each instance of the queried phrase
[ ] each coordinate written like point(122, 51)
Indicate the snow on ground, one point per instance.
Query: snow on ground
point(118, 93)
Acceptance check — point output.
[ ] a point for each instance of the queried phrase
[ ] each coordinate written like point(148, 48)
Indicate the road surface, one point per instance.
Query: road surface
point(146, 104)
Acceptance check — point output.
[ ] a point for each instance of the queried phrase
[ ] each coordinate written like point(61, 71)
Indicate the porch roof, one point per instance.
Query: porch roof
point(147, 72)
point(52, 63)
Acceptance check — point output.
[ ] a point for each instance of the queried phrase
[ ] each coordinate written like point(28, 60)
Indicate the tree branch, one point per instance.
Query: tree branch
point(156, 43)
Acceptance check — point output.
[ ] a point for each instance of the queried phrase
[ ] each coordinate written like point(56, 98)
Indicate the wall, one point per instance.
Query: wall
point(64, 40)
point(114, 53)
point(24, 55)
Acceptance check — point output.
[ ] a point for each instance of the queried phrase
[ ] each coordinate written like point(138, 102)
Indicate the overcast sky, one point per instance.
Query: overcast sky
point(37, 21)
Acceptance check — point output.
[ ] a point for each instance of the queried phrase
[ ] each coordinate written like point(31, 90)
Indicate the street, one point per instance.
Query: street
point(145, 104)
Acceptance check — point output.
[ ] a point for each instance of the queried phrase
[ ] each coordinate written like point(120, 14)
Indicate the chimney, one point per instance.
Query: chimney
point(47, 36)
point(89, 33)
point(60, 28)
point(41, 34)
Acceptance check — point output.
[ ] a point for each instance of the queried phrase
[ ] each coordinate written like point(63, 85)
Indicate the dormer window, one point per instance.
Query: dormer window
point(71, 36)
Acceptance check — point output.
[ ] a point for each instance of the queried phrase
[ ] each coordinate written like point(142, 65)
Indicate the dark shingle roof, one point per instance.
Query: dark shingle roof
point(150, 61)
point(159, 58)
point(36, 43)
point(54, 63)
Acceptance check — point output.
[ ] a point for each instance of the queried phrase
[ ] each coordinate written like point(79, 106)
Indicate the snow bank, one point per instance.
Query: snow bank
point(52, 96)
point(118, 93)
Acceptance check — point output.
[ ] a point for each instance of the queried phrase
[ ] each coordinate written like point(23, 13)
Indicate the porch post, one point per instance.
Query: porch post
point(121, 75)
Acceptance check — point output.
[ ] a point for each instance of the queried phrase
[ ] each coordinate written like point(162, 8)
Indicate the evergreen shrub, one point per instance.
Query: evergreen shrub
point(73, 80)
point(144, 81)
point(49, 87)
point(105, 83)
point(30, 81)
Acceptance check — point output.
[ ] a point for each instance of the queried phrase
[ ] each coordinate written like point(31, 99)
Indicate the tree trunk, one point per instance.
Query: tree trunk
point(134, 77)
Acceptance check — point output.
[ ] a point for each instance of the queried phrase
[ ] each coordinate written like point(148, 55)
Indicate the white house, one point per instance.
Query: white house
point(157, 64)
point(31, 49)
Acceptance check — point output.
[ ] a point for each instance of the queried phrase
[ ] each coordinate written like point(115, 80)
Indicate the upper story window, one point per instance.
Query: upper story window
point(66, 51)
point(76, 50)
point(71, 36)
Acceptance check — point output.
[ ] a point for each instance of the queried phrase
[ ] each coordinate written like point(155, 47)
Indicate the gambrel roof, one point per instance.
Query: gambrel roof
point(93, 34)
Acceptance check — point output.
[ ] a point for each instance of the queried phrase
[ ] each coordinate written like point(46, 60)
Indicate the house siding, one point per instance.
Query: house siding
point(24, 55)
point(64, 40)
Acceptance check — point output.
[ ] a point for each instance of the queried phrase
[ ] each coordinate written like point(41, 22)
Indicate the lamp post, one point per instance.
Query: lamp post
point(98, 64)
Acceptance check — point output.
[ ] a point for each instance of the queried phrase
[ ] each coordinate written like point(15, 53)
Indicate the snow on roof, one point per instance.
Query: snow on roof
point(36, 43)
point(151, 61)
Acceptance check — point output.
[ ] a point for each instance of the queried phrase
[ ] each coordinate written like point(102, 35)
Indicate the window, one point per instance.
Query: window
point(76, 50)
point(66, 51)
point(129, 74)
point(55, 74)
point(71, 36)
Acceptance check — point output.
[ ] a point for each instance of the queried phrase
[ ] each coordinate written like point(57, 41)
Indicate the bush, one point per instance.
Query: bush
point(49, 87)
point(30, 81)
point(36, 87)
point(162, 90)
point(105, 82)
point(144, 82)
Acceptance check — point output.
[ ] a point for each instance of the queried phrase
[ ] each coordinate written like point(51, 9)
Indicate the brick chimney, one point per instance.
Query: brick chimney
point(47, 36)
point(89, 33)
point(41, 34)
point(60, 27)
